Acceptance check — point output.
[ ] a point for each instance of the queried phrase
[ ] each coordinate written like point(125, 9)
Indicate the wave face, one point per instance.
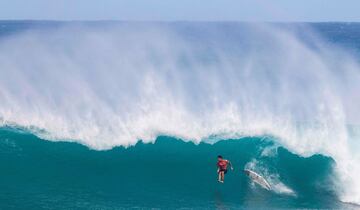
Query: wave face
point(168, 174)
point(109, 84)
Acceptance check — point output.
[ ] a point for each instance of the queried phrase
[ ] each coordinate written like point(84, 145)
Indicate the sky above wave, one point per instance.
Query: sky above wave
point(172, 10)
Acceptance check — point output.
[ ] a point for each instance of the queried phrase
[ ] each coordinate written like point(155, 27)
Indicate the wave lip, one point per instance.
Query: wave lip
point(112, 85)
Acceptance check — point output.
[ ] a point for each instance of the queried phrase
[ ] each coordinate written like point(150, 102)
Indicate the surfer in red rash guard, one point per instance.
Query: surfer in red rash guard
point(222, 168)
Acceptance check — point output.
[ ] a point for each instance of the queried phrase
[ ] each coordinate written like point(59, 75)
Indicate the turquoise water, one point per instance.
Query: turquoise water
point(170, 173)
point(132, 115)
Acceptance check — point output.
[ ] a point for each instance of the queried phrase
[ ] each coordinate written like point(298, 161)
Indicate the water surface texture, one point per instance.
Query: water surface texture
point(112, 115)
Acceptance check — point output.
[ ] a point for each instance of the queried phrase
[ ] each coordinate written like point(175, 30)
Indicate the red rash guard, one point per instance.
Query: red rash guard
point(222, 164)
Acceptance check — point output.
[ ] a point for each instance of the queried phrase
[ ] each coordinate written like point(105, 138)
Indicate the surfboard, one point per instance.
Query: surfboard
point(257, 179)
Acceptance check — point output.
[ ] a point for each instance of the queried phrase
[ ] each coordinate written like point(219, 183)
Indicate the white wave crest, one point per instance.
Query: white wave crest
point(113, 85)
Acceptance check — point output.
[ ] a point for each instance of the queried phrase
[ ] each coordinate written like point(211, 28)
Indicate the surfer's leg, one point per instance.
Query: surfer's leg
point(222, 176)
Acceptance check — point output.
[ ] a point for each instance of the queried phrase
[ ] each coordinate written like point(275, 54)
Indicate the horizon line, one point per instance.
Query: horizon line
point(174, 21)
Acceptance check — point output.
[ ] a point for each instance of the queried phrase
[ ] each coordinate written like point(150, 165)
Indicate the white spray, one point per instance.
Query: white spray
point(113, 85)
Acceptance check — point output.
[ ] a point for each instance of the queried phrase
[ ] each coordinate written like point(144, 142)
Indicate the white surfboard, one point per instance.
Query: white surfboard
point(257, 179)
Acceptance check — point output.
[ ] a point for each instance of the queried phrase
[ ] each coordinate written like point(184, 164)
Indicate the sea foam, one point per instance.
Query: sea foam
point(105, 86)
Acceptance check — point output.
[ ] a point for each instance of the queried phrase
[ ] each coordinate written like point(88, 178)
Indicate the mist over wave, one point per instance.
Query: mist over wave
point(116, 84)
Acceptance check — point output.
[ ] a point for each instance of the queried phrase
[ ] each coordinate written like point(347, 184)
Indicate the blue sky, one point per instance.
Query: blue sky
point(170, 10)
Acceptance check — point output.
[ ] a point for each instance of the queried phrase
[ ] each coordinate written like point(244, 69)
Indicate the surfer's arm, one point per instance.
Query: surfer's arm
point(231, 166)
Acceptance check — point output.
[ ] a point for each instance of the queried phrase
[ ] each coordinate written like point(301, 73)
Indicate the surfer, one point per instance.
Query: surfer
point(222, 168)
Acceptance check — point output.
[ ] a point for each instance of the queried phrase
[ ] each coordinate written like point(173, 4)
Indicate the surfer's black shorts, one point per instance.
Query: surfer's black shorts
point(224, 170)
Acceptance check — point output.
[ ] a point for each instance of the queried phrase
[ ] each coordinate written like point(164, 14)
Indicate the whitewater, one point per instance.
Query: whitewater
point(110, 84)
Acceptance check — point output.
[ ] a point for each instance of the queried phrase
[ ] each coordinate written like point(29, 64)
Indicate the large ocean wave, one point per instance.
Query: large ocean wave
point(168, 174)
point(115, 84)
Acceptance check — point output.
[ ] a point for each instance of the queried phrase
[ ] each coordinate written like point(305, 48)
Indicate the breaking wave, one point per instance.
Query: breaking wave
point(115, 84)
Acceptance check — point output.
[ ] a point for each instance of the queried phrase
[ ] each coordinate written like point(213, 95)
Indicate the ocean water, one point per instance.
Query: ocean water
point(132, 115)
point(37, 174)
